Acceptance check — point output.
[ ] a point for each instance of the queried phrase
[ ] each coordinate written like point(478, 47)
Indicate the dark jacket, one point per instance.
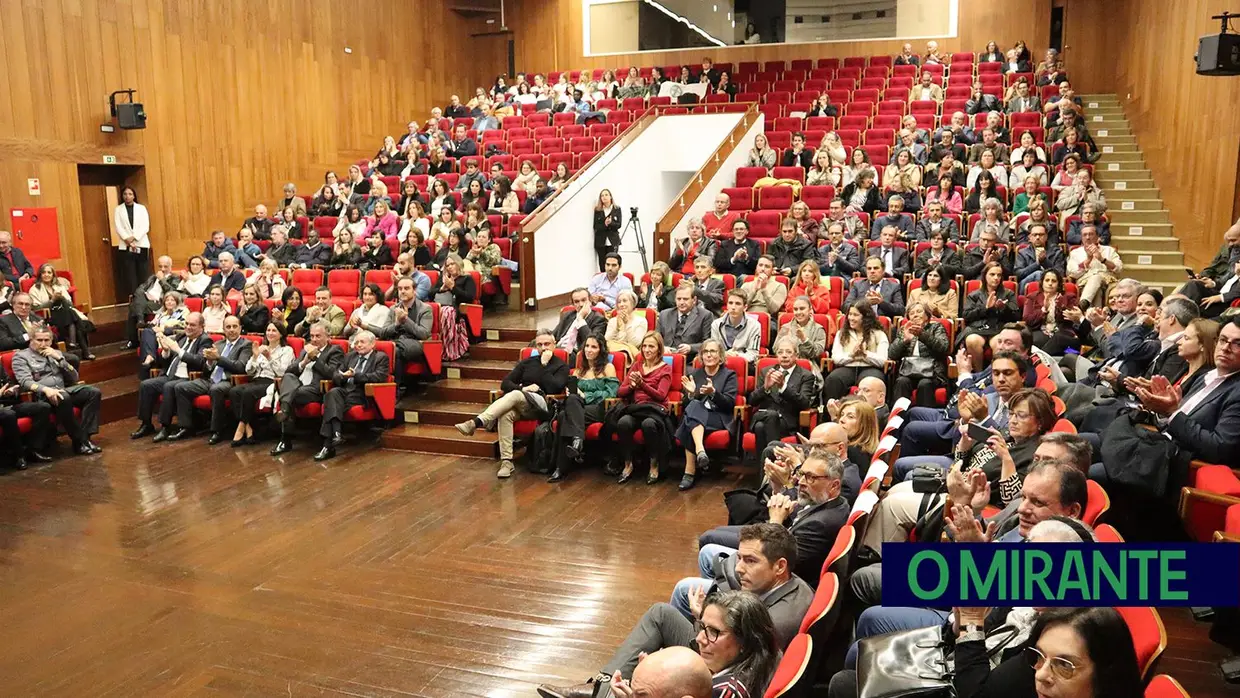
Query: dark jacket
point(799, 395)
point(233, 364)
point(378, 368)
point(234, 282)
point(324, 366)
point(551, 378)
point(978, 317)
point(933, 341)
point(681, 260)
point(1027, 262)
point(254, 320)
point(949, 262)
point(596, 325)
point(604, 233)
point(792, 159)
point(12, 334)
point(464, 291)
point(20, 266)
point(974, 262)
point(728, 249)
point(815, 529)
point(710, 295)
point(380, 256)
point(310, 257)
point(283, 255)
point(872, 199)
point(789, 255)
point(693, 331)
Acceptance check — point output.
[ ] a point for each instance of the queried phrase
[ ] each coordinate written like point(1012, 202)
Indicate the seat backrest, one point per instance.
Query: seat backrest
point(1149, 636)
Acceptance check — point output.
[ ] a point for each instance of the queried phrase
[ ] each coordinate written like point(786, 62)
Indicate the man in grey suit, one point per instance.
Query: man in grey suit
point(300, 385)
point(706, 288)
point(884, 293)
point(895, 258)
point(413, 324)
point(762, 566)
point(838, 257)
point(686, 326)
point(217, 364)
point(360, 367)
point(46, 372)
point(781, 393)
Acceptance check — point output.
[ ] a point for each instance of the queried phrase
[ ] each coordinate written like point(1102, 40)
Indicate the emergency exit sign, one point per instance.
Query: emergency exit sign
point(109, 159)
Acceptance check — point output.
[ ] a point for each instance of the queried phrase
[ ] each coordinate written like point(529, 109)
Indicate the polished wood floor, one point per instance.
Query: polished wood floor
point(182, 570)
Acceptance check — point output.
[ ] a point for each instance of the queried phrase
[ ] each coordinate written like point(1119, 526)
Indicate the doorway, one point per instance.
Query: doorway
point(100, 192)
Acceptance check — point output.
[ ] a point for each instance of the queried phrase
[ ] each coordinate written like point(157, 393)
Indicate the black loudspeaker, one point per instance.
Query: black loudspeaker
point(1218, 54)
point(129, 116)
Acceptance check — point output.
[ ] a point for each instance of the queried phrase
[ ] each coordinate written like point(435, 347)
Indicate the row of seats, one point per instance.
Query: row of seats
point(801, 68)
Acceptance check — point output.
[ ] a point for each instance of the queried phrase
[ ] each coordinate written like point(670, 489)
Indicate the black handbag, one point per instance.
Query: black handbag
point(1138, 457)
point(928, 479)
point(916, 663)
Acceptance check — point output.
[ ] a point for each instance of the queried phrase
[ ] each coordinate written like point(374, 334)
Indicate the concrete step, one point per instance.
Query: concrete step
point(1116, 163)
point(1144, 243)
point(111, 361)
point(1122, 148)
point(1116, 191)
point(1132, 179)
point(1136, 260)
point(1137, 216)
point(1130, 204)
point(442, 412)
point(1169, 274)
point(431, 438)
point(1100, 100)
point(462, 390)
point(509, 351)
point(477, 368)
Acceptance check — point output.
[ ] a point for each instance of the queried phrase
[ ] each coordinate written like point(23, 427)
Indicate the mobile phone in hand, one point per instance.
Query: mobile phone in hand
point(979, 433)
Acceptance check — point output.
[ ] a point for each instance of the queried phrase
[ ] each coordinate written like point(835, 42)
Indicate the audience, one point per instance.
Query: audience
point(50, 377)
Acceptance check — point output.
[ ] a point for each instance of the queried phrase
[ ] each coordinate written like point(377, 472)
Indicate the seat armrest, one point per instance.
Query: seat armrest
point(384, 395)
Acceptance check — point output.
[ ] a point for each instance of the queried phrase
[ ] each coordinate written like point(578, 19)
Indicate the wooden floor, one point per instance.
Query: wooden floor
point(182, 570)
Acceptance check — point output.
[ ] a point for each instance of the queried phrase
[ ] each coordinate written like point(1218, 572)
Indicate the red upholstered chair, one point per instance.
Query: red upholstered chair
point(383, 394)
point(1163, 686)
point(1106, 533)
point(794, 172)
point(721, 440)
point(741, 198)
point(307, 281)
point(1149, 636)
point(1204, 505)
point(793, 677)
point(764, 225)
point(1098, 502)
point(818, 197)
point(747, 176)
point(344, 283)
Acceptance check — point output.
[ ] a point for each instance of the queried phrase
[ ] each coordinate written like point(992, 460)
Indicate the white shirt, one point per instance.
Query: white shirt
point(1210, 383)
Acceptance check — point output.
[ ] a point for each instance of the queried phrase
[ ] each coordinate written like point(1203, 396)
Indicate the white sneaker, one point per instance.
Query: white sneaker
point(505, 469)
point(467, 427)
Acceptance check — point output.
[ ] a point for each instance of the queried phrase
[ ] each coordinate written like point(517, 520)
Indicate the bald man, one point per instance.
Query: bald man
point(827, 434)
point(675, 672)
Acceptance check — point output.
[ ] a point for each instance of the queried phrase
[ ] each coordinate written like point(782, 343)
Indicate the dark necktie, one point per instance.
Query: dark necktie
point(680, 326)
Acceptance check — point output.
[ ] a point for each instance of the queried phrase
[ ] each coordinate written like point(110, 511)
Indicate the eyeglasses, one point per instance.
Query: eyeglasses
point(711, 634)
point(1062, 667)
point(1047, 460)
point(1231, 344)
point(810, 478)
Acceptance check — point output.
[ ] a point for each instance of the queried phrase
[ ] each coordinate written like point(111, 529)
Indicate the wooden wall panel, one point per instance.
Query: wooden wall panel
point(241, 96)
point(549, 37)
point(1188, 126)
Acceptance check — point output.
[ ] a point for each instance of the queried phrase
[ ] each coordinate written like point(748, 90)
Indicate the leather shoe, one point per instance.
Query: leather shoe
point(179, 434)
point(556, 476)
point(325, 453)
point(94, 447)
point(581, 690)
point(575, 449)
point(83, 449)
point(36, 457)
point(161, 435)
point(216, 437)
point(19, 464)
point(686, 482)
point(281, 448)
point(141, 431)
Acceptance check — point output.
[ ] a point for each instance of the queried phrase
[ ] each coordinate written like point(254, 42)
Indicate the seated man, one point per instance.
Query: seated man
point(781, 393)
point(47, 374)
point(1093, 266)
point(578, 323)
point(790, 249)
point(324, 311)
point(1132, 351)
point(229, 277)
point(707, 289)
point(884, 293)
point(932, 221)
point(737, 255)
point(525, 388)
point(300, 385)
point(1208, 282)
point(814, 518)
point(606, 285)
point(290, 200)
point(798, 154)
point(281, 250)
point(764, 292)
point(361, 366)
point(22, 449)
point(762, 565)
point(896, 262)
point(1089, 216)
point(1037, 258)
point(686, 326)
point(313, 253)
point(248, 254)
point(405, 269)
point(218, 245)
point(739, 334)
point(837, 212)
point(171, 358)
point(718, 222)
point(13, 263)
point(149, 296)
point(781, 459)
point(873, 391)
point(217, 364)
point(412, 324)
point(16, 327)
point(987, 251)
point(260, 224)
point(471, 174)
point(895, 218)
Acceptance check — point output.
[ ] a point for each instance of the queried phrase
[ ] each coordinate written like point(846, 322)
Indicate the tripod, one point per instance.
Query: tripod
point(634, 226)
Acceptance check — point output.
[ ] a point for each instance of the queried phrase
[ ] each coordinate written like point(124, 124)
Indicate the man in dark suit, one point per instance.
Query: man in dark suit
point(987, 251)
point(1204, 417)
point(706, 288)
point(762, 566)
point(798, 155)
point(13, 262)
point(782, 391)
point(884, 293)
point(300, 385)
point(686, 326)
point(260, 223)
point(895, 259)
point(738, 255)
point(313, 253)
point(171, 358)
point(217, 364)
point(361, 366)
point(838, 257)
point(20, 448)
point(17, 326)
point(932, 221)
point(461, 145)
point(1037, 258)
point(1220, 268)
point(229, 277)
point(413, 322)
point(577, 324)
point(149, 296)
point(47, 374)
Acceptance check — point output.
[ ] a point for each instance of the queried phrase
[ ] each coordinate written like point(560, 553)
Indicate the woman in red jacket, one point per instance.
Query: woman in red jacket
point(644, 393)
point(809, 283)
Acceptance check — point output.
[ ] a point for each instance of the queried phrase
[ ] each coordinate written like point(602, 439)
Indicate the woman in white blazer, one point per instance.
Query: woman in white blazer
point(133, 246)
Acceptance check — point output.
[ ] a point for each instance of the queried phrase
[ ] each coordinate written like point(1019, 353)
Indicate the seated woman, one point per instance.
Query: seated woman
point(1044, 316)
point(807, 225)
point(992, 217)
point(834, 148)
point(981, 191)
point(527, 178)
point(195, 279)
point(862, 195)
point(253, 312)
point(474, 194)
point(1028, 194)
point(270, 360)
point(214, 310)
point(377, 253)
point(352, 221)
point(658, 293)
point(809, 286)
point(1037, 214)
point(457, 245)
point(416, 246)
point(453, 289)
point(1027, 144)
point(627, 326)
point(762, 154)
point(326, 203)
point(945, 193)
point(559, 177)
point(475, 220)
point(51, 293)
point(644, 394)
point(291, 310)
point(268, 281)
point(986, 311)
point(860, 422)
point(736, 637)
point(504, 200)
point(859, 350)
point(408, 195)
point(858, 162)
point(414, 219)
point(445, 222)
point(822, 173)
point(708, 396)
point(939, 255)
point(688, 248)
point(936, 293)
point(345, 252)
point(1071, 145)
point(1067, 173)
point(592, 382)
point(383, 220)
point(1083, 191)
point(903, 176)
point(441, 198)
point(169, 320)
point(920, 351)
point(371, 315)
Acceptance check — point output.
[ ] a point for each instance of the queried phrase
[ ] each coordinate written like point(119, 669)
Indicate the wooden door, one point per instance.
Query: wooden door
point(100, 189)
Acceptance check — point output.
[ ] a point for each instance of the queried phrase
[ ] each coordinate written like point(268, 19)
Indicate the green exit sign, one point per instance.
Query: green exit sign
point(109, 159)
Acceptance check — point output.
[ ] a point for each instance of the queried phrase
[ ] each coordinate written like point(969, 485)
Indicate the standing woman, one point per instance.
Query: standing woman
point(709, 396)
point(644, 392)
point(591, 384)
point(51, 293)
point(607, 220)
point(133, 242)
point(271, 358)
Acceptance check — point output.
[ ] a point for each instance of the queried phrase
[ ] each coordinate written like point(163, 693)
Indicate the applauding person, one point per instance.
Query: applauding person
point(709, 396)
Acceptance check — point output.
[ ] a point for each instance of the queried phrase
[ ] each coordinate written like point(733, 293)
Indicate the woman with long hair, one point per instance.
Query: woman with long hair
point(920, 352)
point(945, 193)
point(736, 638)
point(326, 203)
point(416, 245)
point(484, 255)
point(51, 293)
point(986, 311)
point(252, 312)
point(822, 173)
point(560, 176)
point(984, 188)
point(445, 222)
point(441, 198)
point(644, 393)
point(214, 310)
point(352, 221)
point(527, 178)
point(504, 200)
point(862, 194)
point(1196, 347)
point(809, 285)
point(457, 244)
point(708, 396)
point(372, 314)
point(415, 220)
point(807, 225)
point(834, 148)
point(291, 310)
point(473, 194)
point(1043, 314)
point(453, 289)
point(592, 382)
point(607, 220)
point(858, 162)
point(859, 350)
point(627, 326)
point(345, 253)
point(860, 422)
point(271, 358)
point(762, 154)
point(936, 292)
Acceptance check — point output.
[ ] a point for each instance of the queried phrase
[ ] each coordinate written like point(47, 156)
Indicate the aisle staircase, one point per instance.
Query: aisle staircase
point(1140, 224)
